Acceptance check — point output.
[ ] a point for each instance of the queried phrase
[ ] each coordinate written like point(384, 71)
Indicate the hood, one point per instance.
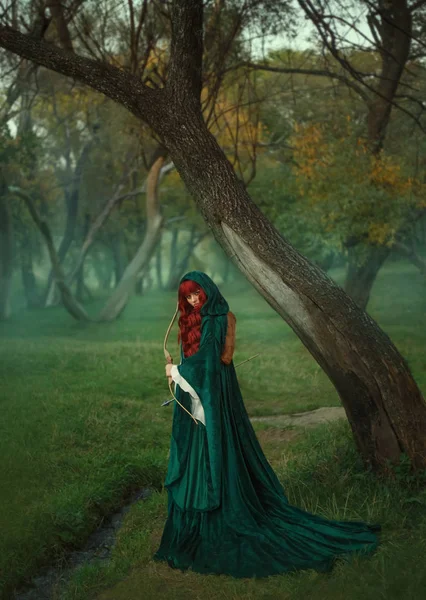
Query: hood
point(215, 304)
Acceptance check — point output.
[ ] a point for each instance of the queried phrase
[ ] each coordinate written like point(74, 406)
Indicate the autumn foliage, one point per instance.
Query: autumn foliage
point(349, 189)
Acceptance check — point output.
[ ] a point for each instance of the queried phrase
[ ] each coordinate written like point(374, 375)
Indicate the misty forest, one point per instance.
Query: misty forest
point(278, 146)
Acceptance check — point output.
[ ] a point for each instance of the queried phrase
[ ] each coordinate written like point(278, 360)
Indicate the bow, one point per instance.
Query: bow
point(169, 359)
point(167, 402)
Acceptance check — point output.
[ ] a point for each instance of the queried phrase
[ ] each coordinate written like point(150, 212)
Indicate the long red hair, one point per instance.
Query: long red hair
point(190, 318)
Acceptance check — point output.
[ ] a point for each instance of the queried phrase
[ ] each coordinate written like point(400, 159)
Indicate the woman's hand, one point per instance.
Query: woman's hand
point(168, 369)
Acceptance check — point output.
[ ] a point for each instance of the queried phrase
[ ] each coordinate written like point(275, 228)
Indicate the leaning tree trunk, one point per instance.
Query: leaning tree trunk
point(384, 406)
point(120, 296)
point(361, 277)
point(6, 256)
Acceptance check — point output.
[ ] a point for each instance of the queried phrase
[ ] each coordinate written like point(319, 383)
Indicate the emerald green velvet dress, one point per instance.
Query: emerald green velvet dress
point(227, 511)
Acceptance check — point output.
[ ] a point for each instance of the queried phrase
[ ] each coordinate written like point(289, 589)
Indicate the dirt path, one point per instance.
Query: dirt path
point(306, 419)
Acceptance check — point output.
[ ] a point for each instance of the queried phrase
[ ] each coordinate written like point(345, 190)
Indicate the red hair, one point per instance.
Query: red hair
point(190, 318)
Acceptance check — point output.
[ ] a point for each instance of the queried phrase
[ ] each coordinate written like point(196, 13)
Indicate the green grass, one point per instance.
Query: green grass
point(82, 426)
point(321, 473)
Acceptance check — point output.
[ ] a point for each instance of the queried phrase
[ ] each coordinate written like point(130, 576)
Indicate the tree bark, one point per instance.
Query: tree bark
point(361, 277)
point(395, 31)
point(383, 404)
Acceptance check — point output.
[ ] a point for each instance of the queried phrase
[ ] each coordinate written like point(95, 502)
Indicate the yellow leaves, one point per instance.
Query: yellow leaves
point(346, 188)
point(386, 173)
point(381, 233)
point(310, 151)
point(334, 159)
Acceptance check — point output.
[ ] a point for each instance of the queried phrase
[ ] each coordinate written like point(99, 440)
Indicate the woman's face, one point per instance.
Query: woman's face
point(193, 298)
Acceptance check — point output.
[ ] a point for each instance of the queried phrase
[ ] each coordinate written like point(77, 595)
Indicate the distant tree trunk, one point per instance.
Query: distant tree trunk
point(68, 300)
point(360, 278)
point(139, 285)
point(71, 203)
point(117, 247)
point(6, 255)
point(27, 272)
point(410, 253)
point(103, 270)
point(80, 286)
point(158, 267)
point(25, 126)
point(148, 280)
point(226, 271)
point(120, 296)
point(178, 267)
point(173, 262)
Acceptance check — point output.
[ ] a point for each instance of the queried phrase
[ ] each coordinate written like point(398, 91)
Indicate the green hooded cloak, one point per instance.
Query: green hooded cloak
point(227, 511)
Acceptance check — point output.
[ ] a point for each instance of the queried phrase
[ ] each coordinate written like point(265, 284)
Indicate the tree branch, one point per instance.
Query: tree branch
point(115, 83)
point(316, 72)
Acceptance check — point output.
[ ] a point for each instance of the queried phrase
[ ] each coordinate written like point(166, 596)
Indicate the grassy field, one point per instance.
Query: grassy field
point(82, 426)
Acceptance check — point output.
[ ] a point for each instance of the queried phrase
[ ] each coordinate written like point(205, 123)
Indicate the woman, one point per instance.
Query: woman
point(227, 511)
